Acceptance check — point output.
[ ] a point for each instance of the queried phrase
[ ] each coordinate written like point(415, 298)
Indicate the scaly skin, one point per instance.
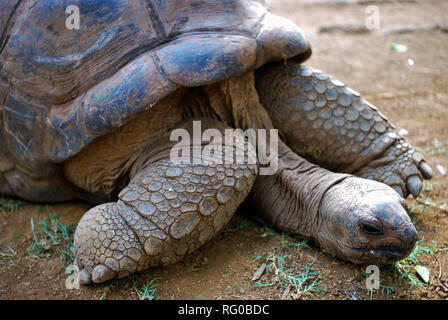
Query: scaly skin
point(332, 126)
point(167, 211)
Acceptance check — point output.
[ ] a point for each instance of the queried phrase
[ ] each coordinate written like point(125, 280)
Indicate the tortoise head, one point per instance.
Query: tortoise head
point(364, 221)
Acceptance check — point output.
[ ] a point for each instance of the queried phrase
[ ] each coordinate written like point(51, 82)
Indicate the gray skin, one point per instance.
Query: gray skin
point(92, 120)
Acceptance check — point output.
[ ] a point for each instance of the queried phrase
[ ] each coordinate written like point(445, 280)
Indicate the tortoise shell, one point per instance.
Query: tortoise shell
point(61, 88)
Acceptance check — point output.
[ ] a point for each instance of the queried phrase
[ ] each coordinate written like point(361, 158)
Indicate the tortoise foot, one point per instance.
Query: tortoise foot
point(401, 167)
point(105, 246)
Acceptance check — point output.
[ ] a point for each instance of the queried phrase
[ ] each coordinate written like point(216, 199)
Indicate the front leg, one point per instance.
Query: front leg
point(167, 211)
point(331, 125)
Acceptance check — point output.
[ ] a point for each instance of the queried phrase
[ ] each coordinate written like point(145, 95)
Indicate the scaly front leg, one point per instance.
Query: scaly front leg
point(332, 126)
point(167, 211)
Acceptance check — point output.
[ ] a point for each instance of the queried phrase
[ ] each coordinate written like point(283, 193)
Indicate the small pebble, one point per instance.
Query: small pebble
point(441, 169)
point(257, 275)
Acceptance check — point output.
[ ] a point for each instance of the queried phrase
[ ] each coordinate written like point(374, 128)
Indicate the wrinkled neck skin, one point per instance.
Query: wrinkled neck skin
point(291, 199)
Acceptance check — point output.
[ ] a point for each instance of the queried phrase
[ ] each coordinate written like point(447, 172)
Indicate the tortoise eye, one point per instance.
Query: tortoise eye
point(371, 228)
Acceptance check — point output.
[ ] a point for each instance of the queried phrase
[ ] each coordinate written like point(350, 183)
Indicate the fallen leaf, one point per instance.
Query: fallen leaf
point(397, 47)
point(423, 272)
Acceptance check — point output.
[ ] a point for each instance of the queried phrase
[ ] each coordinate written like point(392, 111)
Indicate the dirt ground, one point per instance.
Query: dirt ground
point(413, 96)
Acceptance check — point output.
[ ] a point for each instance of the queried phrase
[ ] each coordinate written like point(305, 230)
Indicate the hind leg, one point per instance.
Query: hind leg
point(167, 211)
point(331, 125)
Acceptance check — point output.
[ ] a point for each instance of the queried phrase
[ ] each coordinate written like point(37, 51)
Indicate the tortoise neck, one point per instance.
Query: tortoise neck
point(290, 200)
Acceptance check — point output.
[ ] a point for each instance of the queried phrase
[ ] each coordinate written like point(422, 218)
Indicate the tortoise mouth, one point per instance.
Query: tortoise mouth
point(383, 254)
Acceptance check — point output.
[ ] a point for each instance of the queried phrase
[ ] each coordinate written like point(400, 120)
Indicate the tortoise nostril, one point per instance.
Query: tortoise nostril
point(371, 229)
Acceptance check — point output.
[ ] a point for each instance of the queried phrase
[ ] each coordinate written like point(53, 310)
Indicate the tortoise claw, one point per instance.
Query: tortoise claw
point(101, 273)
point(426, 170)
point(85, 277)
point(414, 185)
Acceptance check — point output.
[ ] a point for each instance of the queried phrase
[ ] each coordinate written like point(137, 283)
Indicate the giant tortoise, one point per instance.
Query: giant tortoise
point(90, 113)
